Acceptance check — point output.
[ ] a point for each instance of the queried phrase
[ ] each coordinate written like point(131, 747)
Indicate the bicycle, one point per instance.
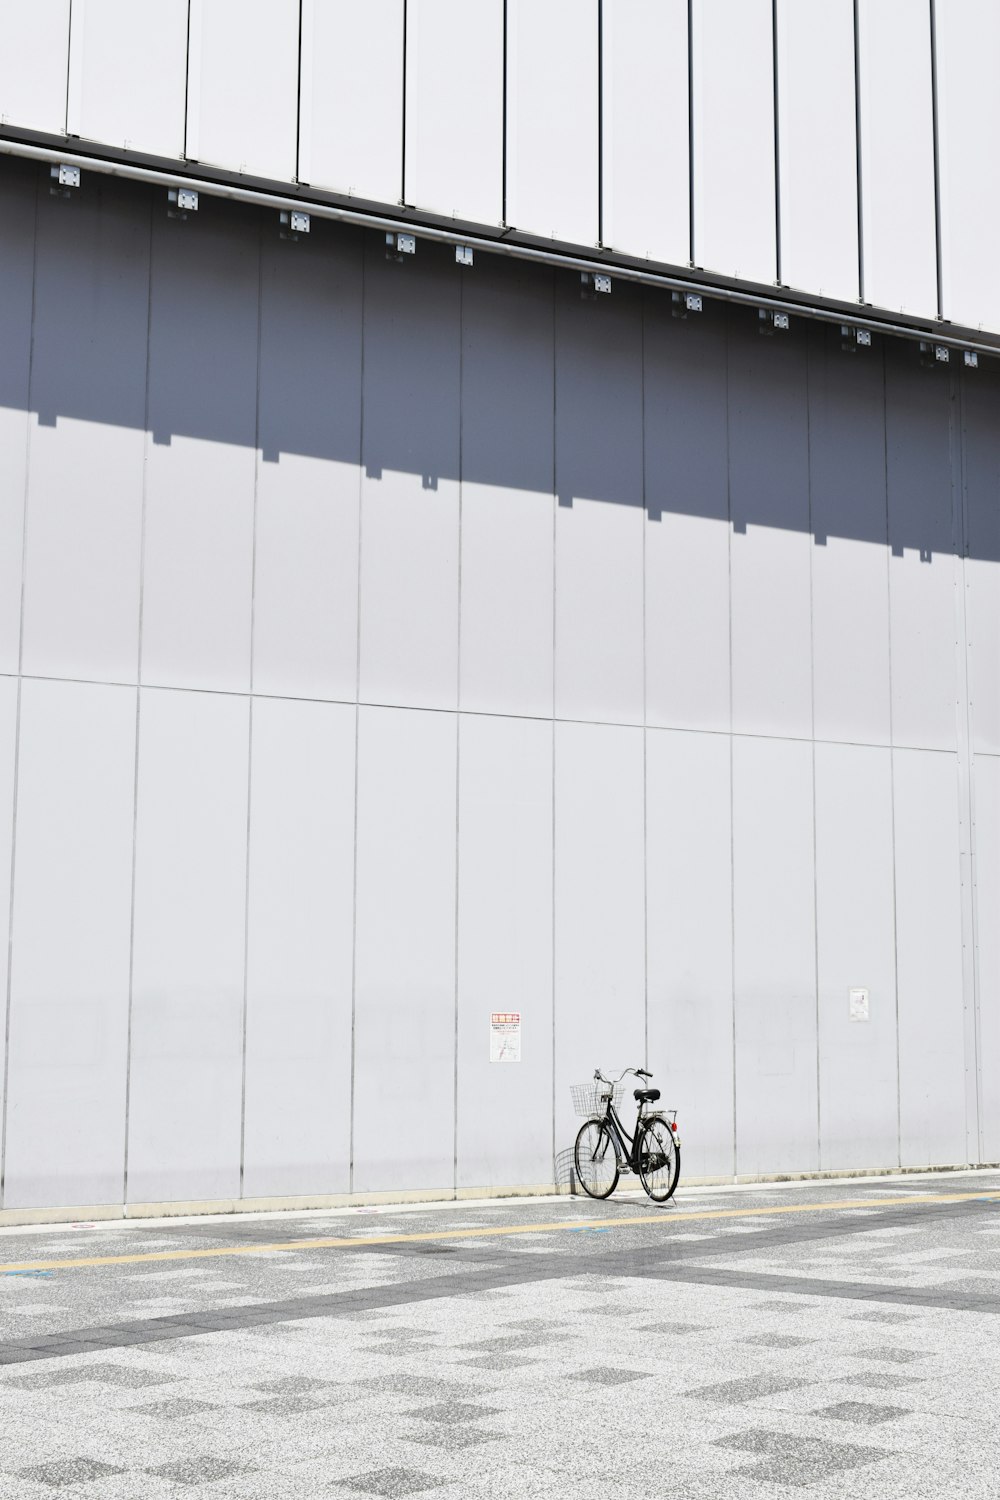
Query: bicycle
point(604, 1149)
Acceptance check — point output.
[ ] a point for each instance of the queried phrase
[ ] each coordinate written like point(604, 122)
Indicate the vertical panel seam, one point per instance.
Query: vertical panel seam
point(858, 161)
point(187, 82)
point(555, 662)
point(892, 753)
point(971, 743)
point(69, 50)
point(458, 714)
point(138, 711)
point(600, 122)
point(691, 183)
point(298, 101)
point(17, 710)
point(645, 695)
point(775, 125)
point(727, 316)
point(966, 760)
point(406, 66)
point(253, 600)
point(357, 712)
point(810, 345)
point(503, 145)
point(935, 132)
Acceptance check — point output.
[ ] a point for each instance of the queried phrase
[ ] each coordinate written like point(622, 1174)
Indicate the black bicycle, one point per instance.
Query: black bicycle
point(604, 1149)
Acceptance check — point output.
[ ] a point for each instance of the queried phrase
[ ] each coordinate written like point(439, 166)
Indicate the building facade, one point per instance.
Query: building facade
point(391, 637)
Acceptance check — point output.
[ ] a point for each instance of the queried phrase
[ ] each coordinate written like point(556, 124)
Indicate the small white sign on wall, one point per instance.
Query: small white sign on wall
point(858, 1005)
point(505, 1036)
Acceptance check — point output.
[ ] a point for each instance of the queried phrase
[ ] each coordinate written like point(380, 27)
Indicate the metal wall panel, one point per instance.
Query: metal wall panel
point(644, 126)
point(410, 492)
point(733, 141)
point(687, 520)
point(115, 96)
point(300, 939)
point(70, 953)
point(987, 801)
point(17, 250)
point(921, 566)
point(504, 949)
point(981, 467)
point(351, 108)
point(599, 515)
point(189, 932)
point(454, 108)
point(243, 80)
point(405, 951)
point(305, 608)
point(817, 146)
point(968, 45)
point(600, 978)
point(88, 386)
point(769, 495)
point(34, 61)
point(690, 940)
point(897, 155)
point(850, 569)
point(858, 1068)
point(932, 1076)
point(202, 414)
point(552, 149)
point(775, 956)
point(8, 755)
point(507, 491)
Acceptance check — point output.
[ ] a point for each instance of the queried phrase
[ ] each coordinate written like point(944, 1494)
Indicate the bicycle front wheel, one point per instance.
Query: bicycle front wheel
point(659, 1158)
point(596, 1159)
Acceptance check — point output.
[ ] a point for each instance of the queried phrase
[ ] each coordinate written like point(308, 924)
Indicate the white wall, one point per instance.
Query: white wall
point(500, 649)
point(733, 143)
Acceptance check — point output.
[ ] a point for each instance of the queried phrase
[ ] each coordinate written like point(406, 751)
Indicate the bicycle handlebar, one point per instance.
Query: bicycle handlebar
point(639, 1073)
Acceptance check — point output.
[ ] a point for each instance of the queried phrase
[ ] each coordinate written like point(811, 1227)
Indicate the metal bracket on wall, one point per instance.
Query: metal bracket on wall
point(278, 196)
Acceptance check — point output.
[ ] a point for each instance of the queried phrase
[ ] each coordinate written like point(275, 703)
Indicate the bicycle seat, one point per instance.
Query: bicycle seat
point(647, 1096)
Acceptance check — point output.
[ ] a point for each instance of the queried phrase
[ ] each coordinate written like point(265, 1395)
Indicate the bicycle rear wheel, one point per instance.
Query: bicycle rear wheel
point(596, 1159)
point(659, 1158)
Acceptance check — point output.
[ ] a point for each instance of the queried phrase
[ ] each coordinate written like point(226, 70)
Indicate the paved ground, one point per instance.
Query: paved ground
point(838, 1339)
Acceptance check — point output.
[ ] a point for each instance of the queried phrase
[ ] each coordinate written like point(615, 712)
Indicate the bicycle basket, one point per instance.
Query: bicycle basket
point(591, 1098)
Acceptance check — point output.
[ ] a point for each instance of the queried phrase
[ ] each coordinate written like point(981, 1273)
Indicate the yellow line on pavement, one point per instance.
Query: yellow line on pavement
point(489, 1232)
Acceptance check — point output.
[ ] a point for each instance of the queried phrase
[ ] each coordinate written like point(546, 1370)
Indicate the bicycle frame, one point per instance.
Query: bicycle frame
point(626, 1145)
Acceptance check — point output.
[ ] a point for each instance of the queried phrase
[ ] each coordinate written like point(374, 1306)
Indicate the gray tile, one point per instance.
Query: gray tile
point(291, 1405)
point(123, 1376)
point(776, 1341)
point(497, 1362)
point(880, 1380)
point(417, 1387)
point(861, 1411)
point(512, 1341)
point(675, 1330)
point(454, 1412)
point(65, 1471)
point(607, 1375)
point(200, 1470)
point(890, 1354)
point(747, 1388)
point(397, 1333)
point(407, 1349)
point(452, 1439)
point(882, 1315)
point(176, 1406)
point(393, 1482)
point(787, 1459)
point(779, 1306)
point(536, 1325)
point(294, 1385)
